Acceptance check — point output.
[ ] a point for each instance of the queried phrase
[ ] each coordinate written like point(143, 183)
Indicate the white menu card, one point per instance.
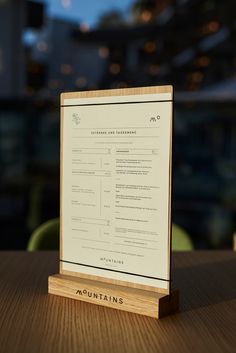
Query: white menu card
point(116, 151)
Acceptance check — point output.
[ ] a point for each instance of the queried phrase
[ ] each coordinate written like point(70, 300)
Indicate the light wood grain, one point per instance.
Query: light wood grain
point(134, 300)
point(109, 93)
point(33, 321)
point(114, 281)
point(117, 92)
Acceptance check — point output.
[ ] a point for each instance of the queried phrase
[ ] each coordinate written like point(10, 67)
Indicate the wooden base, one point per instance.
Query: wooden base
point(113, 296)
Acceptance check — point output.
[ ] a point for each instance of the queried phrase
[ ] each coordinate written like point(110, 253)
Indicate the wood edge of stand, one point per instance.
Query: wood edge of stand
point(117, 92)
point(133, 300)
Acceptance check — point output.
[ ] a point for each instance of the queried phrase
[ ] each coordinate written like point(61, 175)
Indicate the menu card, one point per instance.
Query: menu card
point(116, 152)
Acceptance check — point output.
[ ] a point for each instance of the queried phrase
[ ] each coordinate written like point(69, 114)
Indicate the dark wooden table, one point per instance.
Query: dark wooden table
point(33, 321)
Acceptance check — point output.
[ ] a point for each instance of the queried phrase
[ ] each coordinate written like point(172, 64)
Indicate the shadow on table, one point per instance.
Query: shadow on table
point(205, 284)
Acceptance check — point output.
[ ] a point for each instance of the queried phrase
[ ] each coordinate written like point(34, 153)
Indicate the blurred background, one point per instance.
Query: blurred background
point(52, 46)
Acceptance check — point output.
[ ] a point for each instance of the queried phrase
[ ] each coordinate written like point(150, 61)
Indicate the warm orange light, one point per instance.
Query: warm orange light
point(210, 27)
point(114, 68)
point(103, 52)
point(81, 82)
point(84, 27)
point(150, 47)
point(203, 61)
point(66, 69)
point(213, 26)
point(146, 16)
point(197, 77)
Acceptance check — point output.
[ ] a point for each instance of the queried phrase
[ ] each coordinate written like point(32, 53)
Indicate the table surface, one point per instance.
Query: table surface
point(33, 321)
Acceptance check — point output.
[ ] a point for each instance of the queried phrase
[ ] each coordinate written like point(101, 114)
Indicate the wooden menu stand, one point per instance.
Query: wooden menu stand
point(131, 296)
point(134, 300)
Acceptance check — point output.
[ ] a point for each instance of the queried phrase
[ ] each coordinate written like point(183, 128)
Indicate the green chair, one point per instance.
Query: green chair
point(46, 237)
point(181, 241)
